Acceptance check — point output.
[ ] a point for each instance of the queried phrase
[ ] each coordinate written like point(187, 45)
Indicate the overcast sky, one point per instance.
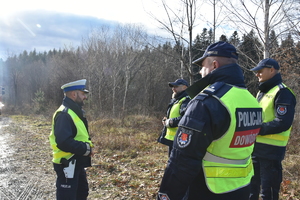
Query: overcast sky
point(45, 25)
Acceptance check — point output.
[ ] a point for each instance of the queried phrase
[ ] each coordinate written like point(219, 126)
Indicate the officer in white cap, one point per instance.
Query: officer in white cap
point(75, 85)
point(71, 143)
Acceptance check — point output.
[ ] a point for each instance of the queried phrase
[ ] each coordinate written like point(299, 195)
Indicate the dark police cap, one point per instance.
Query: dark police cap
point(266, 63)
point(179, 82)
point(221, 49)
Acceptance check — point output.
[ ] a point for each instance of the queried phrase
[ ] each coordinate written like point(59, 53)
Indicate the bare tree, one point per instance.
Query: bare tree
point(130, 42)
point(96, 57)
point(218, 18)
point(15, 76)
point(279, 15)
point(180, 23)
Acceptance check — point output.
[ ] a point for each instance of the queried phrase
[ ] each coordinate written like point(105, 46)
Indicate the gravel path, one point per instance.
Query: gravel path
point(25, 171)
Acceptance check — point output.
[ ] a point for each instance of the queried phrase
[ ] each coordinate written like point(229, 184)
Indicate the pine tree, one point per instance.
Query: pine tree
point(250, 51)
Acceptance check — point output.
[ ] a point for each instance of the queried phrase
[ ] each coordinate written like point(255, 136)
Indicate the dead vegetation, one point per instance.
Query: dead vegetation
point(128, 163)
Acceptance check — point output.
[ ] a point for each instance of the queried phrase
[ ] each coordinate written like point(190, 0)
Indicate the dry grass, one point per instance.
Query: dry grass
point(290, 187)
point(129, 163)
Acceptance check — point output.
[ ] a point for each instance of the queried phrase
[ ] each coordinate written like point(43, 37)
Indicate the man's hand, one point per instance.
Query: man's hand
point(92, 153)
point(169, 123)
point(164, 121)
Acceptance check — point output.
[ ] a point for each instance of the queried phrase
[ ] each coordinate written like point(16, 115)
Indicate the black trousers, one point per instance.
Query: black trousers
point(72, 188)
point(198, 190)
point(266, 180)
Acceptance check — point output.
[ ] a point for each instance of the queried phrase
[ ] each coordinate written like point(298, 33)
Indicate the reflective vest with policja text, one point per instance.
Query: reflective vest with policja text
point(81, 135)
point(174, 112)
point(267, 103)
point(227, 163)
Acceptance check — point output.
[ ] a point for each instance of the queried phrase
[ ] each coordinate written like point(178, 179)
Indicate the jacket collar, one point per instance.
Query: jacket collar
point(269, 84)
point(180, 95)
point(73, 106)
point(231, 74)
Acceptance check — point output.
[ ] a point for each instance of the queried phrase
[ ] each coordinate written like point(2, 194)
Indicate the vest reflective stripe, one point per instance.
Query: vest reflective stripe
point(174, 112)
point(210, 157)
point(228, 169)
point(229, 172)
point(82, 135)
point(267, 103)
point(275, 137)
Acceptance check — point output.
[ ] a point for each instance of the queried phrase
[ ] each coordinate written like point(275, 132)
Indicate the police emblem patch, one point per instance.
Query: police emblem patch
point(183, 139)
point(281, 110)
point(163, 196)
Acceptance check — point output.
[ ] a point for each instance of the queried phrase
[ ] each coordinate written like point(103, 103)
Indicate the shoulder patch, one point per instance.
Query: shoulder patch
point(281, 110)
point(163, 196)
point(183, 139)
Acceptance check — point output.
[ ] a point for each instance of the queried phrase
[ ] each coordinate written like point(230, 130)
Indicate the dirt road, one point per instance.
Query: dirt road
point(23, 174)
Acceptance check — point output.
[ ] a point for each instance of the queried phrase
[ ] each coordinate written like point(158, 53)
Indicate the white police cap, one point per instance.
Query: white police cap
point(75, 85)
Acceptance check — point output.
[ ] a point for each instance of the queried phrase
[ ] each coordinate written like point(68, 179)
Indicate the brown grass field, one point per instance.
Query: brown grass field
point(128, 162)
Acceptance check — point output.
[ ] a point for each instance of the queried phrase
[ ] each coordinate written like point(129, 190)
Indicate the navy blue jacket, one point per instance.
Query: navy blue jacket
point(65, 131)
point(281, 123)
point(206, 120)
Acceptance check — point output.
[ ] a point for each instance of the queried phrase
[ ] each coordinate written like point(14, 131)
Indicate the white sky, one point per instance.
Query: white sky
point(124, 11)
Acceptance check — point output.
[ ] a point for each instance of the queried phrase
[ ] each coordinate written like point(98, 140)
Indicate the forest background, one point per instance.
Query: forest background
point(128, 70)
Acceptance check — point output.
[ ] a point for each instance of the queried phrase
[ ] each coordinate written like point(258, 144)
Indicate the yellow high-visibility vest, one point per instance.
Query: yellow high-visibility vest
point(82, 135)
point(227, 164)
point(267, 103)
point(174, 112)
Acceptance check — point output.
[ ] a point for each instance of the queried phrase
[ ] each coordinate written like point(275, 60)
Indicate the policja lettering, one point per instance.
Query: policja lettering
point(249, 118)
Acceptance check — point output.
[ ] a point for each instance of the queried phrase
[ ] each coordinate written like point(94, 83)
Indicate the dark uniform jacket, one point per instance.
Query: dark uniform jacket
point(176, 120)
point(209, 116)
point(65, 131)
point(281, 123)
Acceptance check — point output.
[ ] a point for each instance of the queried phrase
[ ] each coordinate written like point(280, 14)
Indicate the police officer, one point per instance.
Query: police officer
point(175, 111)
point(278, 103)
point(71, 144)
point(211, 156)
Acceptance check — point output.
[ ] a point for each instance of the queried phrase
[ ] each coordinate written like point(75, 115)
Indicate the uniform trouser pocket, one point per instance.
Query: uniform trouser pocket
point(71, 188)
